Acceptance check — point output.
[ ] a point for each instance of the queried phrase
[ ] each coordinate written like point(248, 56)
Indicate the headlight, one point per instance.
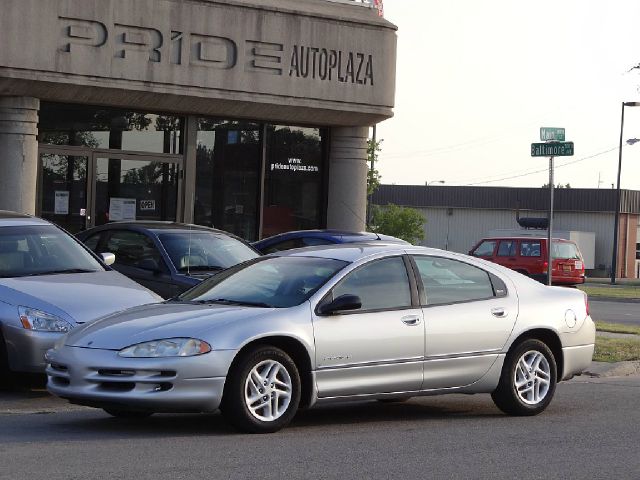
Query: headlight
point(169, 347)
point(40, 321)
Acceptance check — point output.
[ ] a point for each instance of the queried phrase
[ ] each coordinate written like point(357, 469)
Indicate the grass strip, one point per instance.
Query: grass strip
point(616, 349)
point(611, 292)
point(617, 328)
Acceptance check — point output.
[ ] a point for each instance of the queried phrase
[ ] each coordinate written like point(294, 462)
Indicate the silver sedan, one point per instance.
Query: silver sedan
point(349, 322)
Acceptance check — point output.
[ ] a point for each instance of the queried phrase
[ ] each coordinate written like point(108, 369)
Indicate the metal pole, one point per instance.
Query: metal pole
point(550, 227)
point(616, 215)
point(370, 195)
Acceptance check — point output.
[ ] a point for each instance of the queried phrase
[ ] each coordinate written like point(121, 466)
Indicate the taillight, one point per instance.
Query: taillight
point(545, 265)
point(586, 302)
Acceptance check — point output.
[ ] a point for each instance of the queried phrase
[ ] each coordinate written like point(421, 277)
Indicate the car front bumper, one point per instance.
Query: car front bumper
point(26, 348)
point(102, 379)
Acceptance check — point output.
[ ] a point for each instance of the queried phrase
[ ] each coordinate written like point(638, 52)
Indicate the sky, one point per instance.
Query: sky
point(476, 81)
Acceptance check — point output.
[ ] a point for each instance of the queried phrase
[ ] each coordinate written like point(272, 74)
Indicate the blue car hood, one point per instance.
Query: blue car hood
point(76, 297)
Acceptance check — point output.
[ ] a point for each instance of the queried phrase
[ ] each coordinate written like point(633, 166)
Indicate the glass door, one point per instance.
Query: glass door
point(135, 187)
point(62, 192)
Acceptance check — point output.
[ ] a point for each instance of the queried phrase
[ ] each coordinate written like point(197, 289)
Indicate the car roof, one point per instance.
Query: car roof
point(158, 226)
point(351, 252)
point(525, 237)
point(8, 218)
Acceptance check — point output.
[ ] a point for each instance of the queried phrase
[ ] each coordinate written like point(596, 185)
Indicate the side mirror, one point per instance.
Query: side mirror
point(341, 304)
point(108, 258)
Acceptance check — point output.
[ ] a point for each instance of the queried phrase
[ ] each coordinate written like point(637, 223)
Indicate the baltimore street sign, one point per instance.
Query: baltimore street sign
point(555, 149)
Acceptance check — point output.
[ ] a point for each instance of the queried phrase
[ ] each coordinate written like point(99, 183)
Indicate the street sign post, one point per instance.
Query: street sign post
point(551, 134)
point(553, 149)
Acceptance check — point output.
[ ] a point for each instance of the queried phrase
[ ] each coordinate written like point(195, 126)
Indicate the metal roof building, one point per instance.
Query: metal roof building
point(456, 217)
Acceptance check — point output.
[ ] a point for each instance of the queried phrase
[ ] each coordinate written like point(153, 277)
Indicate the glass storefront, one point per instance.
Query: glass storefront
point(228, 168)
point(109, 128)
point(252, 179)
point(293, 179)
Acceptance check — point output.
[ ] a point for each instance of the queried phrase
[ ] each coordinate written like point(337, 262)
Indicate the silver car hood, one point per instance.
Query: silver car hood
point(155, 322)
point(80, 296)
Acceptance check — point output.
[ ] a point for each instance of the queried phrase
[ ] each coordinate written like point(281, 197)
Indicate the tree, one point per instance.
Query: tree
point(402, 222)
point(568, 185)
point(373, 176)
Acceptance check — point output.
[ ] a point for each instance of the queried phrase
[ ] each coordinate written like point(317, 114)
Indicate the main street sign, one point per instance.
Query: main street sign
point(556, 134)
point(556, 149)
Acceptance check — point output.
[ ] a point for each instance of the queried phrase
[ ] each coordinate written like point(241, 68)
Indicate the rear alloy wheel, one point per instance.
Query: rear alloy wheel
point(528, 379)
point(262, 392)
point(122, 413)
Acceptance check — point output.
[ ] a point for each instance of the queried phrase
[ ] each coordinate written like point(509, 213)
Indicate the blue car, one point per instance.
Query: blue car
point(167, 257)
point(309, 238)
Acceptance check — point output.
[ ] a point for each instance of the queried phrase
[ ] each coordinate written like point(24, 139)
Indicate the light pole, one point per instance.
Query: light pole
point(616, 216)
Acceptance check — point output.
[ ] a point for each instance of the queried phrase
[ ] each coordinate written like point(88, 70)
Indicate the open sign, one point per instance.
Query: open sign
point(147, 204)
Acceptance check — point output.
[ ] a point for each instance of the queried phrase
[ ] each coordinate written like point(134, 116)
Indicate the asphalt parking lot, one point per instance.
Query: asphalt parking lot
point(589, 431)
point(615, 311)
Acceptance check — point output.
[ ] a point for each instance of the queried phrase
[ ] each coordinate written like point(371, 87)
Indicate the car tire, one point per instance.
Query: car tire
point(6, 377)
point(264, 379)
point(123, 413)
point(528, 379)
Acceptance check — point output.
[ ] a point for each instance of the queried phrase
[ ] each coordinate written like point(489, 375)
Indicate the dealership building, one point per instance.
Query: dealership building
point(456, 218)
point(250, 116)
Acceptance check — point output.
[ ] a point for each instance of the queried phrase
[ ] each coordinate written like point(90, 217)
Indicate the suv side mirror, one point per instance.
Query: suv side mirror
point(108, 258)
point(341, 304)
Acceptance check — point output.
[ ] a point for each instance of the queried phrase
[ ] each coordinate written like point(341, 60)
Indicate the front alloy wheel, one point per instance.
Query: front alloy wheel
point(528, 379)
point(267, 390)
point(262, 391)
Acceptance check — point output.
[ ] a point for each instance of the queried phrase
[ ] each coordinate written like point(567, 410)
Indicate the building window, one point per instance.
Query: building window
point(114, 128)
point(228, 167)
point(293, 179)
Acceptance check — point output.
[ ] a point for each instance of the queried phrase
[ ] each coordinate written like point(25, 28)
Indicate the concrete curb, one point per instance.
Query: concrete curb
point(619, 369)
point(598, 298)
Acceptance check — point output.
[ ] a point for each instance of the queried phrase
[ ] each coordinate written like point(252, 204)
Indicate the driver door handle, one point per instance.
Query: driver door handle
point(411, 320)
point(499, 312)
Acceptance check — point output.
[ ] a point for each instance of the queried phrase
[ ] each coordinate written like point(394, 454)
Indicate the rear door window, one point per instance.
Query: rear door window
point(507, 248)
point(530, 249)
point(451, 281)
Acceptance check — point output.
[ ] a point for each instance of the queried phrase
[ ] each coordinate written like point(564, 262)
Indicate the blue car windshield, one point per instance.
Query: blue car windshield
point(278, 282)
point(200, 250)
point(42, 250)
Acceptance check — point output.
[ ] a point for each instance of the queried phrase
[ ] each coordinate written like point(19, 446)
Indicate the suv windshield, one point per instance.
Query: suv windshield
point(198, 250)
point(566, 251)
point(267, 282)
point(42, 250)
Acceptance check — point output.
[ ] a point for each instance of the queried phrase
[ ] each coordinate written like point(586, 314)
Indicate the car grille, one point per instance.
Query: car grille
point(114, 380)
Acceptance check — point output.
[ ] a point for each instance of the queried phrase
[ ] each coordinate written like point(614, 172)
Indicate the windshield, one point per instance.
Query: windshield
point(267, 282)
point(198, 250)
point(566, 251)
point(42, 250)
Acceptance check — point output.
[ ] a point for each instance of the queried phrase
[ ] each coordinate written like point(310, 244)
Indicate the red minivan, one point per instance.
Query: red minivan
point(528, 255)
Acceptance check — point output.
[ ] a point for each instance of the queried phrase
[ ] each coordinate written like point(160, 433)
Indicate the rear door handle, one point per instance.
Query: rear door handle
point(499, 312)
point(411, 320)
